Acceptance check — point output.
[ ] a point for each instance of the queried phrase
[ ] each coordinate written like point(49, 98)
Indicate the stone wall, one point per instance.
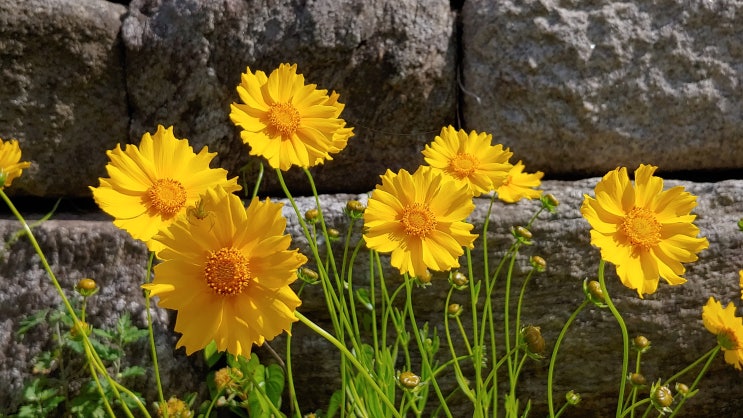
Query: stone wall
point(575, 88)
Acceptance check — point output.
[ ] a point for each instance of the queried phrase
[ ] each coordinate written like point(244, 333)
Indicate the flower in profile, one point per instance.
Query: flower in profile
point(150, 185)
point(419, 218)
point(727, 327)
point(228, 277)
point(469, 159)
point(645, 231)
point(10, 162)
point(287, 121)
point(519, 185)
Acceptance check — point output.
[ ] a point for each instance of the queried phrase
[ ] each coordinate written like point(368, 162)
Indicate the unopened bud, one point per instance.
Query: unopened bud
point(682, 389)
point(355, 209)
point(551, 199)
point(593, 292)
point(459, 280)
point(308, 275)
point(174, 408)
point(637, 379)
point(333, 234)
point(522, 232)
point(86, 287)
point(454, 310)
point(312, 216)
point(538, 263)
point(641, 343)
point(77, 331)
point(533, 338)
point(425, 278)
point(409, 380)
point(661, 397)
point(572, 397)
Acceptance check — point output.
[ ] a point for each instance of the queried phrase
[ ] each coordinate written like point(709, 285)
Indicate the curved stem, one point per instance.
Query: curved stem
point(151, 334)
point(625, 339)
point(553, 357)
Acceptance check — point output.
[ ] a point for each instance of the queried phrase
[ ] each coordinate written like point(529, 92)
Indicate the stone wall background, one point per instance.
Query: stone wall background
point(575, 88)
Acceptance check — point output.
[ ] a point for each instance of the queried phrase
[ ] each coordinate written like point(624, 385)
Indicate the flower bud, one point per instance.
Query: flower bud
point(355, 209)
point(572, 397)
point(77, 331)
point(312, 216)
point(86, 287)
point(661, 397)
point(459, 280)
point(521, 232)
point(636, 379)
point(409, 380)
point(533, 338)
point(593, 292)
point(425, 278)
point(308, 275)
point(682, 389)
point(538, 263)
point(333, 234)
point(641, 343)
point(551, 199)
point(454, 310)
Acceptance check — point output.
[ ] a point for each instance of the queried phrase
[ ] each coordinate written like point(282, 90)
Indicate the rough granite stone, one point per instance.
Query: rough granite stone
point(62, 91)
point(655, 82)
point(589, 357)
point(393, 63)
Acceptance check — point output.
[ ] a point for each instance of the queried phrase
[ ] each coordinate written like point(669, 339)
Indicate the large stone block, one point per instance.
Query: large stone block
point(62, 91)
point(589, 361)
point(634, 82)
point(393, 64)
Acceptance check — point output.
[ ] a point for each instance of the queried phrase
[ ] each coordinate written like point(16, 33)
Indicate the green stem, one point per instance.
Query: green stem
point(712, 354)
point(625, 338)
point(363, 372)
point(553, 357)
point(151, 334)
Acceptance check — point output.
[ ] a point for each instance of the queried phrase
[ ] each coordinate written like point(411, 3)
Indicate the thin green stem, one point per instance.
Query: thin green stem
point(151, 334)
point(625, 338)
point(363, 372)
point(712, 354)
point(553, 357)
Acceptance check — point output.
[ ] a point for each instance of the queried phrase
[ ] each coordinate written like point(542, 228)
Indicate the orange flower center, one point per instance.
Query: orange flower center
point(641, 227)
point(284, 117)
point(462, 165)
point(167, 196)
point(727, 339)
point(418, 220)
point(227, 272)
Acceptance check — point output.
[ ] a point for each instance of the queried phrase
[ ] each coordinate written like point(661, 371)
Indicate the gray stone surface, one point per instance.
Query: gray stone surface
point(588, 361)
point(62, 91)
point(654, 82)
point(393, 64)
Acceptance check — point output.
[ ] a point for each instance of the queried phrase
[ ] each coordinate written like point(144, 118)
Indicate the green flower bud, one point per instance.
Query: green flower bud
point(636, 379)
point(459, 280)
point(593, 292)
point(521, 232)
point(312, 216)
point(86, 287)
point(77, 331)
point(682, 389)
point(355, 209)
point(454, 310)
point(661, 397)
point(308, 275)
point(532, 336)
point(641, 343)
point(572, 397)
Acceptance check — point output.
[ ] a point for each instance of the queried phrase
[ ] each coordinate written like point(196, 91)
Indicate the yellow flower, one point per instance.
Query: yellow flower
point(727, 327)
point(419, 219)
point(469, 159)
point(10, 167)
point(519, 185)
point(740, 281)
point(150, 185)
point(289, 122)
point(643, 230)
point(175, 408)
point(228, 277)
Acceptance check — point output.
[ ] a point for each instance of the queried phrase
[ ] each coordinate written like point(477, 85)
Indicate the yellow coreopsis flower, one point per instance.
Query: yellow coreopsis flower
point(645, 231)
point(11, 165)
point(150, 185)
point(469, 159)
point(519, 185)
point(419, 218)
point(287, 121)
point(727, 327)
point(228, 275)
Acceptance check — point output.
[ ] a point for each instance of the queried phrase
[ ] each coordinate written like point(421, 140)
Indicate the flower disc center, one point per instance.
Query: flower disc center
point(227, 272)
point(284, 117)
point(418, 220)
point(167, 196)
point(463, 165)
point(641, 227)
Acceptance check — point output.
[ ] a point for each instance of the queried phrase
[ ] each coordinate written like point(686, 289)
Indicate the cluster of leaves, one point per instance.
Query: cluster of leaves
point(63, 385)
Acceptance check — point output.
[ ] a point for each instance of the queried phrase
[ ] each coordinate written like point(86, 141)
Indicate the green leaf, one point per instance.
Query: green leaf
point(133, 371)
point(31, 321)
point(211, 355)
point(274, 383)
point(128, 332)
point(362, 295)
point(335, 404)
